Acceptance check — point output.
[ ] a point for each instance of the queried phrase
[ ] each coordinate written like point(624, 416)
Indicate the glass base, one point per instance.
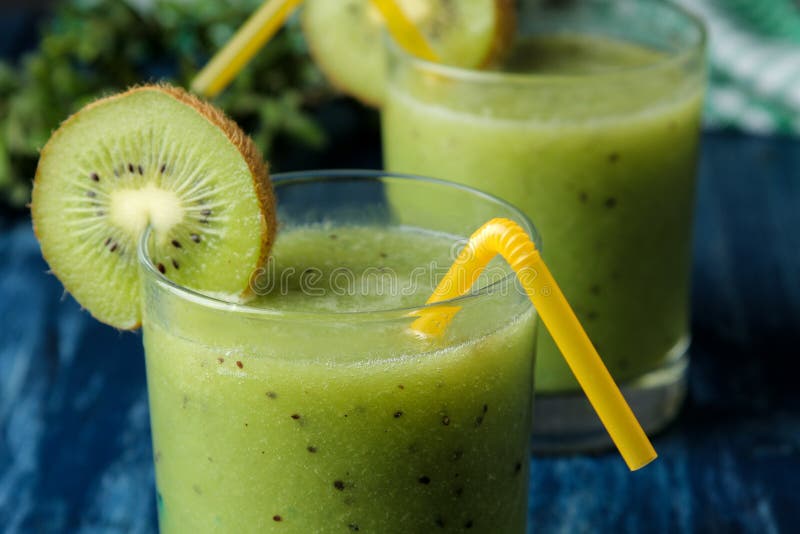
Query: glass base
point(566, 422)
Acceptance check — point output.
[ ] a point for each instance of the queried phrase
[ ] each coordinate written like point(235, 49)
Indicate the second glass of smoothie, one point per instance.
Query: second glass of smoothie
point(591, 128)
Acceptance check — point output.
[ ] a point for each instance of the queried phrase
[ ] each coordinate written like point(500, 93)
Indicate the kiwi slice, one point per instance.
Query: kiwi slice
point(152, 156)
point(345, 37)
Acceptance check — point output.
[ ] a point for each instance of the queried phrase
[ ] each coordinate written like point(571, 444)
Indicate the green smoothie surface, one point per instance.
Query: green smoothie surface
point(304, 420)
point(321, 268)
point(356, 268)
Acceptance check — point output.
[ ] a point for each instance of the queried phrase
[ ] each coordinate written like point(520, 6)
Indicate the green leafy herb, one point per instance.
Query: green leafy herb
point(90, 48)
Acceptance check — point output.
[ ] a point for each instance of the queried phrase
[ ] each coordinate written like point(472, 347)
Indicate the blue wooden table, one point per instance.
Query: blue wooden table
point(75, 452)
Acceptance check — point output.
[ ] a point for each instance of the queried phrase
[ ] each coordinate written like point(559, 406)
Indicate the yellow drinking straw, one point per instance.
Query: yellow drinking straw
point(505, 237)
point(248, 40)
point(404, 31)
point(269, 18)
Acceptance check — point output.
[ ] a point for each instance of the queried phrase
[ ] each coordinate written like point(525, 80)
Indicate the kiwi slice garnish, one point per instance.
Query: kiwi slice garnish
point(345, 37)
point(152, 156)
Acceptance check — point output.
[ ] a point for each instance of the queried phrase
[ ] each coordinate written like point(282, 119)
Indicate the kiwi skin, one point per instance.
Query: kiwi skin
point(259, 172)
point(504, 35)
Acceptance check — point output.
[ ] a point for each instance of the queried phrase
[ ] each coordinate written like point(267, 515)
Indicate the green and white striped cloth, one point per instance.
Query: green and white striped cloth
point(754, 48)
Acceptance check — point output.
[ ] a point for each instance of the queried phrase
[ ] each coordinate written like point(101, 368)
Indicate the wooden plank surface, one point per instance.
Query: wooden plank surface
point(75, 452)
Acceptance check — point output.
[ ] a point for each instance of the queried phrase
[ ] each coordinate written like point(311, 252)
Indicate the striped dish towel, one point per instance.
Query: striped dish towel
point(754, 48)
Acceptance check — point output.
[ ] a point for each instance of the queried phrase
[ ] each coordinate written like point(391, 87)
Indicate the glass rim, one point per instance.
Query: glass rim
point(473, 75)
point(197, 297)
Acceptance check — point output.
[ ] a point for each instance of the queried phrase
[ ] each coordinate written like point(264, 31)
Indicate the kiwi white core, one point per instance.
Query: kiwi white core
point(132, 210)
point(417, 10)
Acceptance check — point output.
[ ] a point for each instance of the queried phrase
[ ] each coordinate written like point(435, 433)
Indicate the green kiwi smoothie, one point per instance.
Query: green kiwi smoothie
point(596, 141)
point(318, 411)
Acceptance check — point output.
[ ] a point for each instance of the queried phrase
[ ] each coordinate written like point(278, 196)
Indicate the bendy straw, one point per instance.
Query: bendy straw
point(505, 237)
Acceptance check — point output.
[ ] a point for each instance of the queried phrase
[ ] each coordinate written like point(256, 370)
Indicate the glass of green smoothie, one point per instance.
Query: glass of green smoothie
point(313, 407)
point(591, 127)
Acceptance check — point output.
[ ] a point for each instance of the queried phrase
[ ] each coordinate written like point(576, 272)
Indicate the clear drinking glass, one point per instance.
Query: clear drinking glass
point(299, 418)
point(592, 130)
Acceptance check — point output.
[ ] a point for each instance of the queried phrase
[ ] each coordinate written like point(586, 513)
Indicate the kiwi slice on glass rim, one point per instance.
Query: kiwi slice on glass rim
point(345, 37)
point(152, 156)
